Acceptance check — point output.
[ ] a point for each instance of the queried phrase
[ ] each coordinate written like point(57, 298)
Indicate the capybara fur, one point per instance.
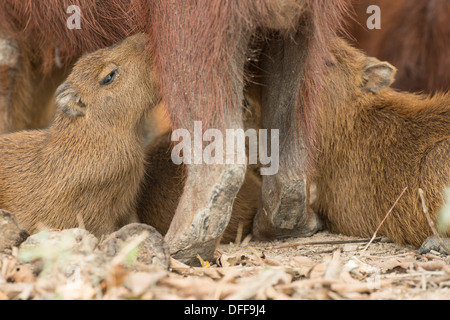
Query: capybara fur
point(414, 36)
point(373, 142)
point(26, 93)
point(200, 50)
point(163, 186)
point(86, 167)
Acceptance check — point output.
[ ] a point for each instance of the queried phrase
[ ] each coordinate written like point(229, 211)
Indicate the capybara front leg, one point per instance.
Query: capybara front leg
point(26, 95)
point(9, 60)
point(206, 86)
point(204, 210)
point(284, 209)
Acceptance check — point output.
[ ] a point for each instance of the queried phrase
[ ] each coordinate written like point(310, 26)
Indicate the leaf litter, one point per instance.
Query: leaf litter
point(75, 265)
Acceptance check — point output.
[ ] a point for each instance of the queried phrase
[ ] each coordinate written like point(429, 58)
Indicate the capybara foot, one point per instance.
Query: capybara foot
point(199, 231)
point(432, 243)
point(283, 211)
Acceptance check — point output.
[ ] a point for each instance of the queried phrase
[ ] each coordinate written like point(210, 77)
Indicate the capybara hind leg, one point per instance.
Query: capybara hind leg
point(284, 209)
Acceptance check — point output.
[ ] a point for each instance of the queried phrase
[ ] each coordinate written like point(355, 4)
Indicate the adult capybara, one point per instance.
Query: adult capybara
point(201, 49)
point(414, 36)
point(163, 186)
point(86, 167)
point(372, 143)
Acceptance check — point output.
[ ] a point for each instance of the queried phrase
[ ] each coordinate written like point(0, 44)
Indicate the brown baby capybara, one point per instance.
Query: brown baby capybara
point(372, 143)
point(163, 186)
point(86, 167)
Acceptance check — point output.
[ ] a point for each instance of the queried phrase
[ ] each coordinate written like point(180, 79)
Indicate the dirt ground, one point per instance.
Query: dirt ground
point(324, 266)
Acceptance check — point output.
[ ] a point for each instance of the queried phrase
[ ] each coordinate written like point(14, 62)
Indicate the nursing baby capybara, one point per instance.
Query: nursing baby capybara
point(373, 142)
point(86, 167)
point(163, 186)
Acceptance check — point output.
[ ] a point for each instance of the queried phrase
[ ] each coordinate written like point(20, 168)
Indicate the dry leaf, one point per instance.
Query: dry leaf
point(116, 276)
point(205, 264)
point(140, 282)
point(318, 271)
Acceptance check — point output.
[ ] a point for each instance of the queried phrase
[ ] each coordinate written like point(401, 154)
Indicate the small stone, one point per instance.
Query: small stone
point(152, 250)
point(11, 233)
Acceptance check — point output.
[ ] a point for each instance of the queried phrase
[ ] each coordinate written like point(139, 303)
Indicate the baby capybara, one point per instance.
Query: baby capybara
point(88, 164)
point(372, 143)
point(163, 186)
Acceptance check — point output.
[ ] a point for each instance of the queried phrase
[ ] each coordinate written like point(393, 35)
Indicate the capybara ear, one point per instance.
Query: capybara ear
point(69, 101)
point(377, 75)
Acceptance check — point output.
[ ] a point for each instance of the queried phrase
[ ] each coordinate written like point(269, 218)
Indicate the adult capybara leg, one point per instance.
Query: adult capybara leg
point(284, 210)
point(206, 86)
point(204, 209)
point(41, 110)
point(9, 67)
point(26, 96)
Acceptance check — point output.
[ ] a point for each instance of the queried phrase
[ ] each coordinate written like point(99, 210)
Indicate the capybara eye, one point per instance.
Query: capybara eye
point(109, 78)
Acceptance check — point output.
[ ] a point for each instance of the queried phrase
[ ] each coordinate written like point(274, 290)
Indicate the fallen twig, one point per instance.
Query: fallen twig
point(313, 243)
point(381, 223)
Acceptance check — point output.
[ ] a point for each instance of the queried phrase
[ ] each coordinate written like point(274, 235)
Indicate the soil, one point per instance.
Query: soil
point(324, 266)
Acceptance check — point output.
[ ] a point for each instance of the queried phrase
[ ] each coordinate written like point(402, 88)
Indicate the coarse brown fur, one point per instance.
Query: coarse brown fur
point(41, 26)
point(163, 186)
point(372, 143)
point(414, 37)
point(86, 167)
point(26, 94)
point(200, 50)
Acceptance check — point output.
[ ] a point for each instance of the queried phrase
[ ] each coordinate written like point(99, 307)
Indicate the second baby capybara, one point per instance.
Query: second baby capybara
point(372, 143)
point(88, 164)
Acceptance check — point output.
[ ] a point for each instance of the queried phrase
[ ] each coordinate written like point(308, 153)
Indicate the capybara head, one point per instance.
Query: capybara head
point(116, 84)
point(354, 75)
point(374, 142)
